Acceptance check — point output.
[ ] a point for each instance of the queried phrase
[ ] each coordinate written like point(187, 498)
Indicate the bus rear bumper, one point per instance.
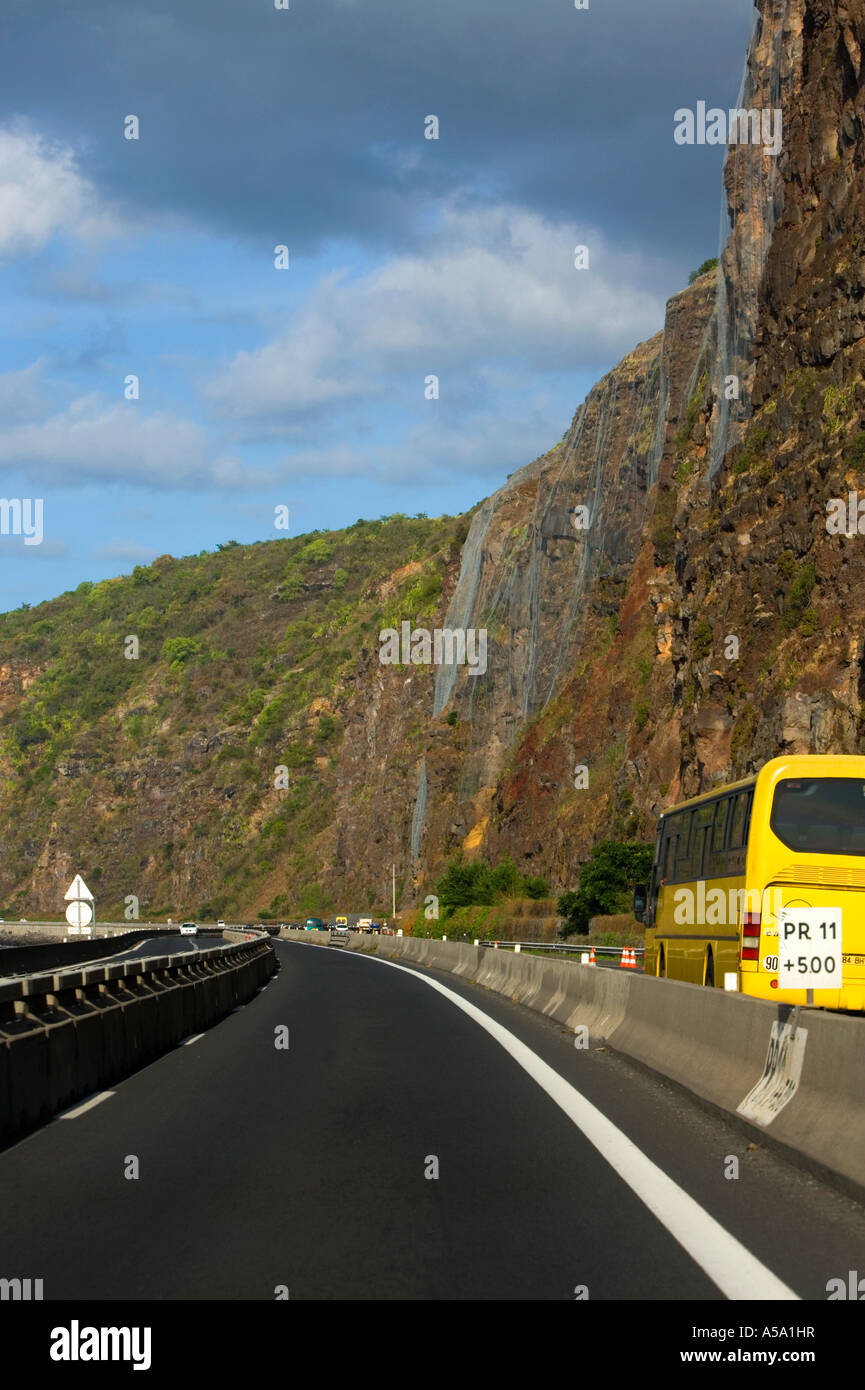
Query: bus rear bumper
point(851, 997)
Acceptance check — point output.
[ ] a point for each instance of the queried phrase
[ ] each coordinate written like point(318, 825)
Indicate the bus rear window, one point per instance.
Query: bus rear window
point(820, 815)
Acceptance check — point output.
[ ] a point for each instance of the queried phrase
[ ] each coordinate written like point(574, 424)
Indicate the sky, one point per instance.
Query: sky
point(169, 381)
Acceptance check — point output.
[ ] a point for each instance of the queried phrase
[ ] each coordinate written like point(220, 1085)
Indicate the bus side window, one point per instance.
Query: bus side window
point(669, 869)
point(737, 821)
point(699, 846)
point(719, 823)
point(655, 879)
point(748, 805)
point(683, 855)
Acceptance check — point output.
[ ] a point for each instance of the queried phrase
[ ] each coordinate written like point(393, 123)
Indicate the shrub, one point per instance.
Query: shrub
point(855, 452)
point(799, 595)
point(178, 650)
point(744, 731)
point(606, 881)
point(326, 728)
point(272, 719)
point(786, 564)
point(476, 884)
point(317, 551)
point(702, 643)
point(292, 584)
point(663, 528)
point(703, 269)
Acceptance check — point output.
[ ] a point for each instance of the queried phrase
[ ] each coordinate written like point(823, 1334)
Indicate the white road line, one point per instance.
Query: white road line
point(187, 1042)
point(122, 959)
point(735, 1271)
point(84, 1106)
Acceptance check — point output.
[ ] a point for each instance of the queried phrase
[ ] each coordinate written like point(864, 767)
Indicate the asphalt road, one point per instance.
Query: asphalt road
point(305, 1167)
point(152, 946)
point(165, 946)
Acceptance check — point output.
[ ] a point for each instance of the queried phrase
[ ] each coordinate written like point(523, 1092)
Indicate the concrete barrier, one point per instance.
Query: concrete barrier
point(66, 1034)
point(792, 1077)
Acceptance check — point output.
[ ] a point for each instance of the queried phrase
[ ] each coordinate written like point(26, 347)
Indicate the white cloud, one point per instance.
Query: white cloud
point(492, 444)
point(91, 440)
point(23, 395)
point(491, 285)
point(44, 194)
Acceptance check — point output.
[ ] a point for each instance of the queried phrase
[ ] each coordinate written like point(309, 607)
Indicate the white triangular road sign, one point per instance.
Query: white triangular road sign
point(78, 891)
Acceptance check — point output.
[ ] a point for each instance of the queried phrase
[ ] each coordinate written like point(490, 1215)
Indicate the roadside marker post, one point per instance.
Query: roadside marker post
point(80, 909)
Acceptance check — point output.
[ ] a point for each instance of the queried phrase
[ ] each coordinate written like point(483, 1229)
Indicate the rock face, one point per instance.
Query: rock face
point(707, 620)
point(667, 600)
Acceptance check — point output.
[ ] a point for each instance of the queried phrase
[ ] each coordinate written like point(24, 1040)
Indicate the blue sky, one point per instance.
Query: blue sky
point(408, 257)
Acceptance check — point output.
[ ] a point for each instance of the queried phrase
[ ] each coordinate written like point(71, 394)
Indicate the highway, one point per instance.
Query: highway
point(165, 946)
point(152, 946)
point(305, 1168)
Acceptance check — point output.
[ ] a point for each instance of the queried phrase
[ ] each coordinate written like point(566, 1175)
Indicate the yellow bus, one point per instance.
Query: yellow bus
point(734, 864)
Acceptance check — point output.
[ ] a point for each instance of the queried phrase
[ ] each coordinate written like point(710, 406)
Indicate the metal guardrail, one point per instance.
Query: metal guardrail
point(561, 947)
point(136, 965)
point(83, 975)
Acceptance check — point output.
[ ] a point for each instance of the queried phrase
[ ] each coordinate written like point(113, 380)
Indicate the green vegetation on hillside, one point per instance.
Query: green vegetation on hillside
point(607, 881)
point(157, 707)
point(703, 269)
point(468, 884)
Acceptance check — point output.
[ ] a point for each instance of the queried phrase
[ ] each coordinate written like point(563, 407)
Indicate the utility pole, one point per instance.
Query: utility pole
point(393, 871)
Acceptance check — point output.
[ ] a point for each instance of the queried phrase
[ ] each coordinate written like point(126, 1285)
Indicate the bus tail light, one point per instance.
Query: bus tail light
point(751, 936)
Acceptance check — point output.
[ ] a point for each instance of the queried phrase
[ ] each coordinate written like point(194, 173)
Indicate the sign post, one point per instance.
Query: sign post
point(79, 913)
point(810, 949)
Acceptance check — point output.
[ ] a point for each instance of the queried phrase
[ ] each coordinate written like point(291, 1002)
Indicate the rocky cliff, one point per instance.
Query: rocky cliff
point(707, 620)
point(665, 605)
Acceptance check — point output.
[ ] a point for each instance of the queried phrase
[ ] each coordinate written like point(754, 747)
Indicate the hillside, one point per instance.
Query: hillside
point(613, 685)
point(159, 773)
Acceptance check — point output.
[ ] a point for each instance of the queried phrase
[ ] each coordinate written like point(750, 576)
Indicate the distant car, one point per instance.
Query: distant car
point(220, 924)
point(188, 929)
point(314, 924)
point(340, 922)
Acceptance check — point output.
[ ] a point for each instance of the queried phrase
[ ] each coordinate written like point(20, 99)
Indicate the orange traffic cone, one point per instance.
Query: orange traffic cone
point(629, 958)
point(592, 960)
